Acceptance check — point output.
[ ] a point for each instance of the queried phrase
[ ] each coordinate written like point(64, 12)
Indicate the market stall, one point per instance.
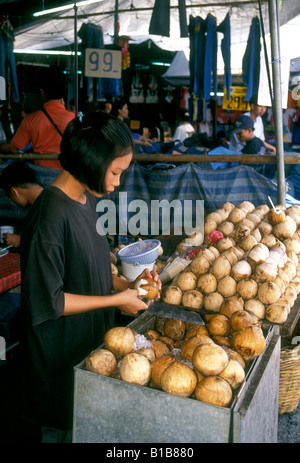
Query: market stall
point(252, 261)
point(241, 277)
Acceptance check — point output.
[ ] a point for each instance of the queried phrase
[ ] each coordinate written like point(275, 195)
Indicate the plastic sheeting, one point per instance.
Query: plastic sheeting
point(165, 181)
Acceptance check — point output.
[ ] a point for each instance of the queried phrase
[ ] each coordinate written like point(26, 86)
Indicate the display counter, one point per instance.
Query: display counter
point(109, 410)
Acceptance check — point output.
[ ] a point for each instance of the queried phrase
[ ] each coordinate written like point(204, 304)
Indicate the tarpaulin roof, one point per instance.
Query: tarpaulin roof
point(57, 30)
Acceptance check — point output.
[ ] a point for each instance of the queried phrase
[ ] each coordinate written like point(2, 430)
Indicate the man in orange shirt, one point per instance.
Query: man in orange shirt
point(38, 128)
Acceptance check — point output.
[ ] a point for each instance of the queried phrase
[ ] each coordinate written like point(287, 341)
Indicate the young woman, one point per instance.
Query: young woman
point(67, 305)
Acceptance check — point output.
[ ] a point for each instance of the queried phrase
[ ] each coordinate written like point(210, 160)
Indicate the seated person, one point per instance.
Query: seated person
point(256, 112)
point(19, 182)
point(244, 131)
point(184, 129)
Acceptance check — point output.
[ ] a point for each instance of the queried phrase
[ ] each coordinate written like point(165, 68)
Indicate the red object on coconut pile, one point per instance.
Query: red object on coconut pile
point(215, 236)
point(192, 253)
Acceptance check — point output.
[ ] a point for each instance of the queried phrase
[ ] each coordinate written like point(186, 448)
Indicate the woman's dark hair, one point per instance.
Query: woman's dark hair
point(117, 104)
point(90, 144)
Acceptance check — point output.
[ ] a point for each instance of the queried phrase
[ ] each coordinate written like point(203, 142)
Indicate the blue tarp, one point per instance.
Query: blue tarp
point(187, 181)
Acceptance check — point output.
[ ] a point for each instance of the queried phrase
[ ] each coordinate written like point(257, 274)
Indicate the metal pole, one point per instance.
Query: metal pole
point(277, 107)
point(76, 60)
point(116, 22)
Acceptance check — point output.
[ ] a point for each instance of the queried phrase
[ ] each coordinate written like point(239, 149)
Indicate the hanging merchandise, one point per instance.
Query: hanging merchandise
point(123, 43)
point(152, 91)
point(251, 60)
point(92, 37)
point(7, 62)
point(197, 48)
point(203, 56)
point(210, 62)
point(160, 19)
point(137, 91)
point(224, 28)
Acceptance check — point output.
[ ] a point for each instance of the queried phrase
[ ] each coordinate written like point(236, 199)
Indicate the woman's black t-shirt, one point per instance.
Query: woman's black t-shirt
point(61, 251)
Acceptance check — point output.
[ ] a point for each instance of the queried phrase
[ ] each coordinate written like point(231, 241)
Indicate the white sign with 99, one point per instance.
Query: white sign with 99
point(103, 63)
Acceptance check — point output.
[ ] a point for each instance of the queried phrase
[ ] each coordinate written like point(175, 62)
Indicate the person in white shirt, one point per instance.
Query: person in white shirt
point(184, 129)
point(256, 112)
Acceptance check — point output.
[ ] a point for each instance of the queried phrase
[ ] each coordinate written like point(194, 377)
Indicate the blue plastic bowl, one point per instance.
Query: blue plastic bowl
point(142, 252)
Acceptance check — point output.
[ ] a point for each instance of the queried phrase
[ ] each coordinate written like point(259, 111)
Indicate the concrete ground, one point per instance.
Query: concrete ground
point(289, 427)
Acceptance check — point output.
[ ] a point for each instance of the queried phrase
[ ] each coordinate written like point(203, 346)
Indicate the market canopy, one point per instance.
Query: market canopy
point(56, 31)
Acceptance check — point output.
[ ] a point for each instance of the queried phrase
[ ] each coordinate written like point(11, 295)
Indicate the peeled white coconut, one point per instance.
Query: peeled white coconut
point(266, 271)
point(196, 239)
point(135, 368)
point(241, 269)
point(259, 253)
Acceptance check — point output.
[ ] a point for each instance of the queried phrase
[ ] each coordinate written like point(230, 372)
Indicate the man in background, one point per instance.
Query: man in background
point(44, 128)
point(19, 183)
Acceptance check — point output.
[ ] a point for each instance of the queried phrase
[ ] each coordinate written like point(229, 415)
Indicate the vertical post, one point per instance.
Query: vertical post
point(76, 60)
point(116, 22)
point(277, 106)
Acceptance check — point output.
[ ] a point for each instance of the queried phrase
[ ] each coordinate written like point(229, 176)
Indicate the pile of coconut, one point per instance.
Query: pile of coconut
point(250, 254)
point(182, 358)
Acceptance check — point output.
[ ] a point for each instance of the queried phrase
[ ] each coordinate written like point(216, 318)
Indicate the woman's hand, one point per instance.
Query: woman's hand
point(130, 302)
point(147, 274)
